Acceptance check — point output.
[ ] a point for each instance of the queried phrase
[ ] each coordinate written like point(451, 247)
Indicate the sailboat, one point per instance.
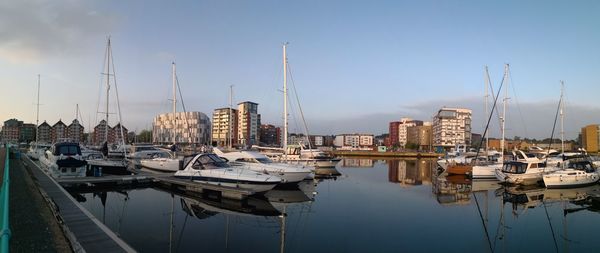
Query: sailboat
point(167, 164)
point(579, 173)
point(37, 149)
point(106, 164)
point(299, 154)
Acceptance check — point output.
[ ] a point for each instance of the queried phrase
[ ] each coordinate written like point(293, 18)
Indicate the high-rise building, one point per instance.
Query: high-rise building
point(451, 126)
point(393, 134)
point(270, 135)
point(590, 138)
point(103, 132)
point(248, 123)
point(117, 134)
point(181, 127)
point(225, 129)
point(100, 133)
point(398, 133)
point(420, 136)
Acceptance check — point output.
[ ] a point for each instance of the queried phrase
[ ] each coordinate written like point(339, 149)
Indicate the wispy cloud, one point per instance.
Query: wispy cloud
point(31, 30)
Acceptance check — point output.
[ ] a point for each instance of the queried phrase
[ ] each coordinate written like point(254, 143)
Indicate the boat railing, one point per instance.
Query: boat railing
point(4, 208)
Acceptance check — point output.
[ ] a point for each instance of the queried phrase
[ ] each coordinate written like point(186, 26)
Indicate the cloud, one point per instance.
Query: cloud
point(31, 30)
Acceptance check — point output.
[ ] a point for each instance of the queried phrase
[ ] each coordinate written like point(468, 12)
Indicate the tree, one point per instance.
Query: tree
point(145, 136)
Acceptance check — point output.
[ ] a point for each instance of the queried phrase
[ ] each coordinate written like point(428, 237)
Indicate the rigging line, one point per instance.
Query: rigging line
point(551, 228)
point(489, 119)
point(184, 110)
point(493, 98)
point(299, 107)
point(554, 128)
point(518, 106)
point(487, 235)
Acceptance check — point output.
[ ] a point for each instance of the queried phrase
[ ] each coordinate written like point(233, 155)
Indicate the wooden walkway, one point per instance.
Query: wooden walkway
point(85, 232)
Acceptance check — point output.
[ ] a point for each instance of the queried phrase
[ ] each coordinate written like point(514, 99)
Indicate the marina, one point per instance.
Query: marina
point(390, 198)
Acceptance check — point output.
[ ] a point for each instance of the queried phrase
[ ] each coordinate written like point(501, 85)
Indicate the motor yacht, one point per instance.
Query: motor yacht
point(208, 168)
point(256, 161)
point(525, 172)
point(63, 160)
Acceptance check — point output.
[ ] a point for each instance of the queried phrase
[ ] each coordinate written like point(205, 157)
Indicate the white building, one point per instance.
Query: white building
point(181, 127)
point(452, 126)
point(354, 141)
point(223, 127)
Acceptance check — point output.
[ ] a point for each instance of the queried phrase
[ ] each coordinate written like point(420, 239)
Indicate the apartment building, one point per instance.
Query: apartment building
point(451, 126)
point(182, 128)
point(225, 127)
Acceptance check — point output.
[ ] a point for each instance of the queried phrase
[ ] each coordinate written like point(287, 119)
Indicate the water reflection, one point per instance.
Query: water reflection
point(410, 172)
point(357, 162)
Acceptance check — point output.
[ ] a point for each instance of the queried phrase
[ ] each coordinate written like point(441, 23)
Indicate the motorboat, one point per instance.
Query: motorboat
point(258, 162)
point(298, 154)
point(579, 173)
point(36, 150)
point(63, 160)
point(208, 168)
point(526, 172)
point(163, 164)
point(140, 152)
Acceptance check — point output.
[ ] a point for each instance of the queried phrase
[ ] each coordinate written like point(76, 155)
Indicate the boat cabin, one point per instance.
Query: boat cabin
point(204, 161)
point(516, 167)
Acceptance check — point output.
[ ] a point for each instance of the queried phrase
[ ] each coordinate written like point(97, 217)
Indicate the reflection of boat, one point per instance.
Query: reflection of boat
point(258, 162)
point(210, 169)
point(485, 185)
point(204, 208)
point(64, 160)
point(448, 192)
point(326, 172)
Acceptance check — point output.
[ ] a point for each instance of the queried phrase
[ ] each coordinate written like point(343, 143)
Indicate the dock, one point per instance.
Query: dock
point(83, 230)
point(188, 186)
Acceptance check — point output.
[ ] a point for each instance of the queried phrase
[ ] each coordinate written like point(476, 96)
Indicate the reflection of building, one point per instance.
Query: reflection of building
point(410, 172)
point(355, 162)
point(181, 127)
point(452, 126)
point(589, 138)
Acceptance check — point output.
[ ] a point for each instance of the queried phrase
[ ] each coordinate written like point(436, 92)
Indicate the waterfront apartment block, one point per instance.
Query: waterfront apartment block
point(270, 135)
point(590, 138)
point(354, 141)
point(295, 139)
point(451, 126)
point(44, 131)
point(59, 131)
point(421, 136)
point(248, 123)
point(16, 131)
point(182, 128)
point(398, 134)
point(113, 135)
point(11, 131)
point(224, 129)
point(75, 131)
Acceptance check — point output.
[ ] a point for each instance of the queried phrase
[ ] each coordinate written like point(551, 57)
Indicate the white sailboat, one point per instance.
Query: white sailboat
point(578, 173)
point(172, 163)
point(37, 149)
point(109, 165)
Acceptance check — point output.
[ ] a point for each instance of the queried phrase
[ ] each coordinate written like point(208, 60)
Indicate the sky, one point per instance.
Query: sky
point(356, 65)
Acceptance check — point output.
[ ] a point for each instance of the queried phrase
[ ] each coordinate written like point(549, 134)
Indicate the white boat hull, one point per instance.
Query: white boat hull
point(485, 172)
point(570, 178)
point(161, 164)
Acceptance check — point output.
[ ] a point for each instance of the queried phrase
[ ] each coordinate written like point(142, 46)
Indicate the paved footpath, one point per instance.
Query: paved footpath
point(34, 228)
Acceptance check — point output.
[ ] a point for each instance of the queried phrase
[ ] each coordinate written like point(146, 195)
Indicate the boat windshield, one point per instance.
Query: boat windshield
point(145, 148)
point(516, 168)
point(67, 150)
point(264, 160)
point(209, 160)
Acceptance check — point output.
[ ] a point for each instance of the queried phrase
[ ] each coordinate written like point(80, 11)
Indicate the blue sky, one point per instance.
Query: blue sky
point(356, 64)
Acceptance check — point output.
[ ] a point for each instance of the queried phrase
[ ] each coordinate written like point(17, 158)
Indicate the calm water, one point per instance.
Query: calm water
point(373, 206)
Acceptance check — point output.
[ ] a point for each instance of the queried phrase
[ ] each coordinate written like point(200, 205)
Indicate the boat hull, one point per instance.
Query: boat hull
point(162, 164)
point(459, 169)
point(570, 180)
point(256, 186)
point(485, 172)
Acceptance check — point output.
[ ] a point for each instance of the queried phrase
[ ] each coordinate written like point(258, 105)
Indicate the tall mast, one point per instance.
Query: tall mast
point(285, 114)
point(230, 121)
point(37, 115)
point(108, 57)
point(504, 108)
point(486, 97)
point(174, 103)
point(562, 127)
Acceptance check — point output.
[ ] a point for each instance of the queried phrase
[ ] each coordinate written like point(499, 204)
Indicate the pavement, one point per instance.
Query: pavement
point(33, 225)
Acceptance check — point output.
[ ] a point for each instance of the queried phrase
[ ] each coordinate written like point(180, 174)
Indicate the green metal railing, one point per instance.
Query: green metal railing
point(4, 198)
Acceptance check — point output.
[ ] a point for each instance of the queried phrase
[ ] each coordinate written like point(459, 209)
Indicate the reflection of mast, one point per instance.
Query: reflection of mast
point(171, 224)
point(282, 242)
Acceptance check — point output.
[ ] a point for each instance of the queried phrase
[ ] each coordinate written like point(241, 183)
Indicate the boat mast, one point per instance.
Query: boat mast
point(108, 56)
point(37, 115)
point(562, 127)
point(285, 115)
point(504, 109)
point(486, 97)
point(174, 103)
